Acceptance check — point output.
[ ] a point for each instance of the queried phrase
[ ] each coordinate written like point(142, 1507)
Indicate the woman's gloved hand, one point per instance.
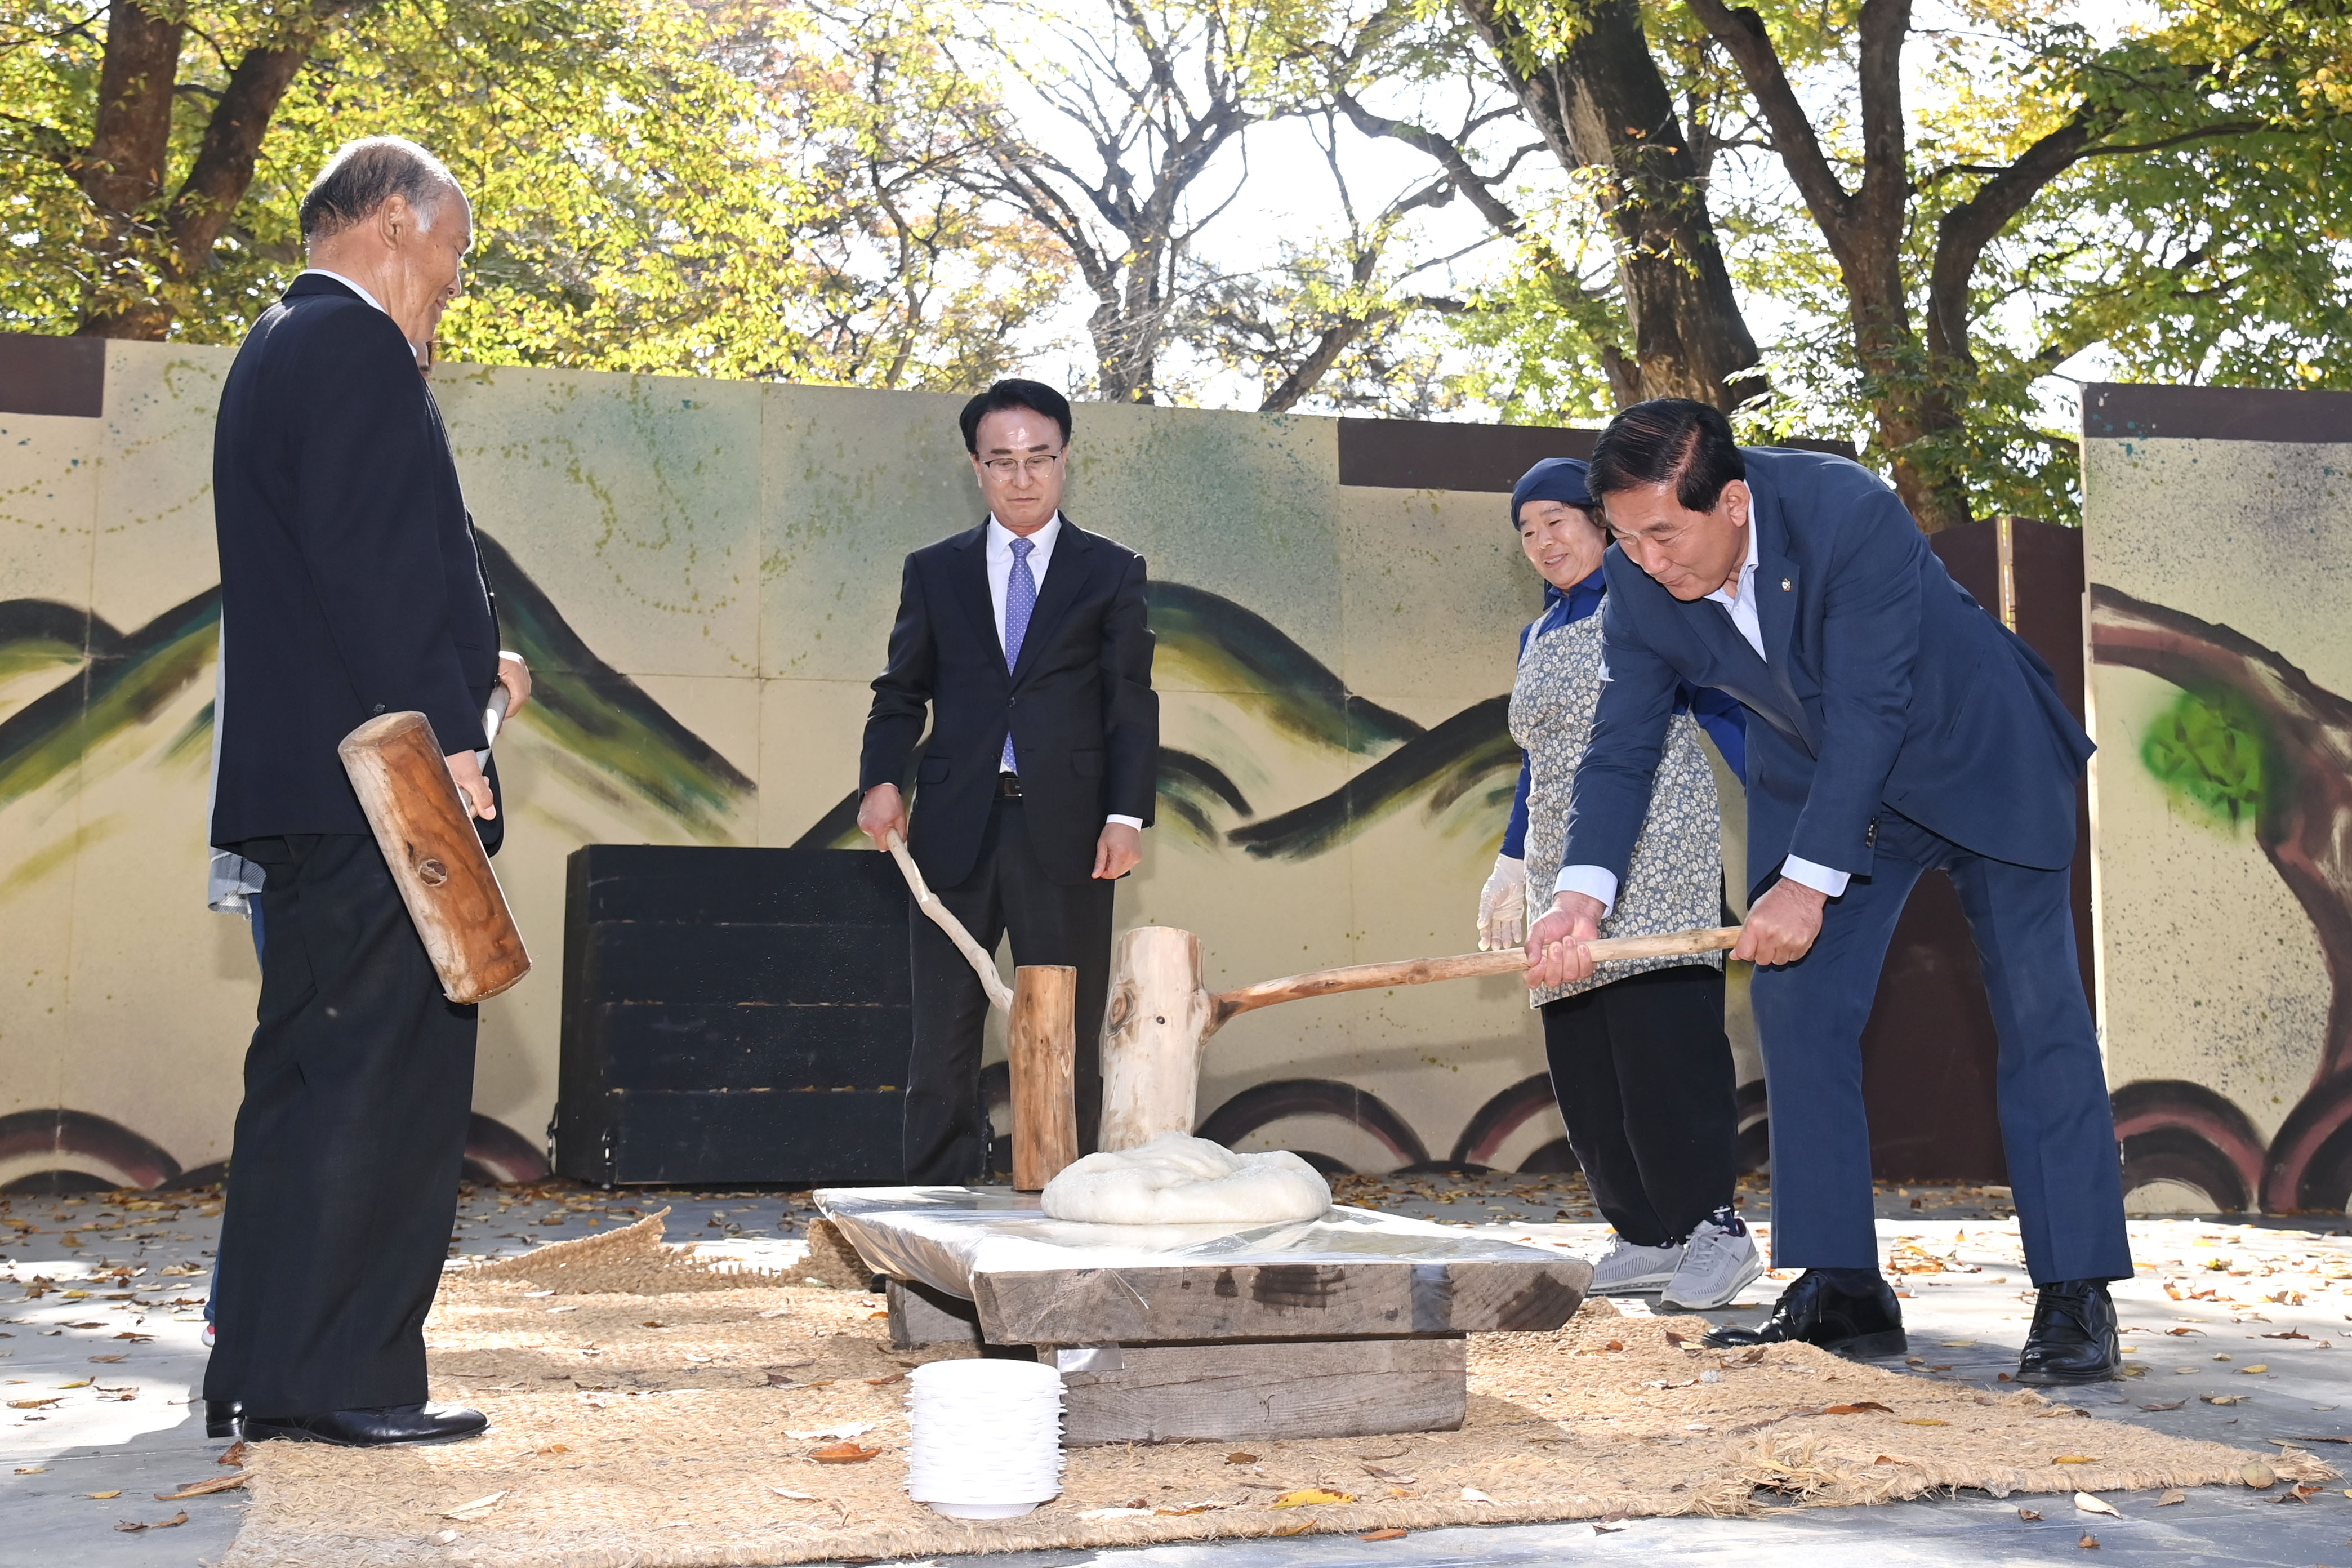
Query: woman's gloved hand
point(1503, 906)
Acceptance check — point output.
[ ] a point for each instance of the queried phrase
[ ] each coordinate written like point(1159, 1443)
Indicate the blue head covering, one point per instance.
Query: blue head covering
point(1554, 479)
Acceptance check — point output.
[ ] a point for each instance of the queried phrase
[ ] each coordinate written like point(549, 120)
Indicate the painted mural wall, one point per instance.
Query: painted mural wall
point(2219, 554)
point(702, 574)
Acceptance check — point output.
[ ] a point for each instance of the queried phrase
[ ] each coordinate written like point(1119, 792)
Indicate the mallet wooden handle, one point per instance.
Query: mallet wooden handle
point(1465, 966)
point(998, 993)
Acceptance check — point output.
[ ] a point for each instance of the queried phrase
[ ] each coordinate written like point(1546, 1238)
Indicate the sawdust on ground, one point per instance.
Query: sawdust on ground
point(679, 1428)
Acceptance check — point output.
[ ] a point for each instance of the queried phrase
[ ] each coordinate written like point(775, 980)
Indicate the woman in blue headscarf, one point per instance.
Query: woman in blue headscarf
point(1639, 1060)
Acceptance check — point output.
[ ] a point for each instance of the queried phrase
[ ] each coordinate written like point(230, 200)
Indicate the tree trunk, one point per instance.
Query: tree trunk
point(122, 174)
point(1602, 103)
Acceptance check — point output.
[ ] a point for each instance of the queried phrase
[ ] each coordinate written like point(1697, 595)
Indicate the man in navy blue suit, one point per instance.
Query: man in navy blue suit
point(1902, 730)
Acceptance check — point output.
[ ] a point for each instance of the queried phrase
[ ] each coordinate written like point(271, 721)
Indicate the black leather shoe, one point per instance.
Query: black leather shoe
point(370, 1428)
point(223, 1417)
point(1815, 1313)
point(2073, 1335)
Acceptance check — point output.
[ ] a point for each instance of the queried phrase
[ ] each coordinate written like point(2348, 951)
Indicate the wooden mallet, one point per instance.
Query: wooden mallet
point(1163, 1012)
point(1042, 1039)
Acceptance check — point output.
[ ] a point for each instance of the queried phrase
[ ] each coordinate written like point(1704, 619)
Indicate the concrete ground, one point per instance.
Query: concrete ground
point(2240, 1332)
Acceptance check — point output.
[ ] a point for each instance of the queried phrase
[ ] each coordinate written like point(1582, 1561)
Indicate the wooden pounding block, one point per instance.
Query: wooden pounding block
point(1043, 1045)
point(921, 1316)
point(1263, 1389)
point(427, 836)
point(1326, 1297)
point(1159, 1017)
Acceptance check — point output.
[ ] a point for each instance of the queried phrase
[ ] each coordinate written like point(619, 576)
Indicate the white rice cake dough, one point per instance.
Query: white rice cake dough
point(1177, 1180)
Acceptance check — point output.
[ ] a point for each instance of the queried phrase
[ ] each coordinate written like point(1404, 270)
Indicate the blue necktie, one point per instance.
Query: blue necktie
point(1020, 600)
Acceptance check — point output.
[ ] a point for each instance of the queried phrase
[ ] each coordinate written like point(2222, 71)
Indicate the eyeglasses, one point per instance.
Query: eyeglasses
point(1001, 468)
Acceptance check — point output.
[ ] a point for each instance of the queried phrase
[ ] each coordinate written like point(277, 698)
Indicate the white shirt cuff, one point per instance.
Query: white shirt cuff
point(1134, 822)
point(1592, 882)
point(1819, 879)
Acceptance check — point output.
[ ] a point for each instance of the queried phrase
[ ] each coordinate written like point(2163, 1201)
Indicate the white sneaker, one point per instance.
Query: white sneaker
point(1719, 1262)
point(1626, 1269)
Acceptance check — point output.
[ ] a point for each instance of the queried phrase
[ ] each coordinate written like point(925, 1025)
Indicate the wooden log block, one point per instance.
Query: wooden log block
point(1285, 1388)
point(1159, 1020)
point(427, 836)
point(1043, 1045)
point(921, 1316)
point(1328, 1297)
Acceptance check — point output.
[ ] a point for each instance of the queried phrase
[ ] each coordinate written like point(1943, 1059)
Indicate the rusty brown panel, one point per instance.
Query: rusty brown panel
point(2113, 411)
point(52, 376)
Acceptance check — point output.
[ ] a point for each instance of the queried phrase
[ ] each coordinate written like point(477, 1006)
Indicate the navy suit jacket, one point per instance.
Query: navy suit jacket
point(350, 585)
point(1078, 704)
point(1883, 684)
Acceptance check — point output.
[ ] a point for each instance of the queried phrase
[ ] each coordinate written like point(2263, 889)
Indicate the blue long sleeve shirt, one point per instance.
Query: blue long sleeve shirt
point(1723, 718)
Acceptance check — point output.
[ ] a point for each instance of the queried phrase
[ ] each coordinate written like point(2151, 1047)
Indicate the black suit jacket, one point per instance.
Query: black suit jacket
point(349, 582)
point(1083, 718)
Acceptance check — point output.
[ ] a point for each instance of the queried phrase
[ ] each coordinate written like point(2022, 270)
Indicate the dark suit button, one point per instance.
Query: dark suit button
point(378, 708)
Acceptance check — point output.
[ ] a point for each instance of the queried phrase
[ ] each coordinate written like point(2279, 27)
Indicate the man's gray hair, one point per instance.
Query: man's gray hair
point(364, 174)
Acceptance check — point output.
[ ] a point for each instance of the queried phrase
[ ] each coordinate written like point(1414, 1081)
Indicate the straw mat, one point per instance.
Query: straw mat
point(679, 1429)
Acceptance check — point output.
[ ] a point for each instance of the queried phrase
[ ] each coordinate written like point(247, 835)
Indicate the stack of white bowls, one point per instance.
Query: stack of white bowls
point(987, 1438)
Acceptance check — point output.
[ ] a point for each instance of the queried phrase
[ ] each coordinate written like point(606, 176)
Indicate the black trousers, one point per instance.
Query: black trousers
point(946, 1125)
point(343, 1178)
point(1644, 1075)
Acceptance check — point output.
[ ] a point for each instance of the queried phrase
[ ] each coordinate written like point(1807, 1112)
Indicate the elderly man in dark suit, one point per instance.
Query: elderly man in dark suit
point(1902, 729)
point(1026, 642)
point(350, 586)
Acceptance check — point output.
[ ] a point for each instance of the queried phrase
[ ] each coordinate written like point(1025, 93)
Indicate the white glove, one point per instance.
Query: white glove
point(1503, 906)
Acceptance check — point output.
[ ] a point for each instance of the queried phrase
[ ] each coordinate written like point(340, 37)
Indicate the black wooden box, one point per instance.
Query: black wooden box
point(732, 1016)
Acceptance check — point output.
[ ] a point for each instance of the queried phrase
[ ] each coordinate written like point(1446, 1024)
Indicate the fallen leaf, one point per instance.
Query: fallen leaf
point(884, 1313)
point(782, 1365)
point(2289, 1334)
point(1600, 1529)
point(1308, 1496)
point(2090, 1504)
point(2171, 1495)
point(2259, 1476)
point(1472, 1494)
point(106, 1359)
point(2075, 1459)
point(1923, 1420)
point(2250, 1371)
point(2089, 1542)
point(844, 1454)
point(467, 1512)
point(1296, 1527)
point(653, 1323)
point(2029, 1513)
point(1383, 1535)
point(201, 1489)
point(1673, 1338)
point(2175, 1405)
point(32, 1469)
point(2302, 1491)
point(2222, 1399)
point(1250, 1459)
point(101, 1497)
point(235, 1455)
point(127, 1526)
point(32, 1404)
point(82, 1383)
point(2178, 1331)
point(885, 1382)
point(1860, 1408)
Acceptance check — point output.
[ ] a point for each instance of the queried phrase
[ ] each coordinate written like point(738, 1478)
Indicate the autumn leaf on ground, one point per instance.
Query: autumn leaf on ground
point(2089, 1542)
point(101, 1497)
point(1472, 1494)
point(843, 1454)
point(1296, 1527)
point(796, 1497)
point(32, 1404)
point(1241, 1458)
point(235, 1455)
point(2178, 1331)
point(2259, 1476)
point(1382, 1472)
point(1309, 1496)
point(106, 1359)
point(2171, 1495)
point(1859, 1407)
point(2222, 1399)
point(2029, 1513)
point(2075, 1459)
point(467, 1512)
point(2300, 1491)
point(201, 1489)
point(2090, 1504)
point(1383, 1535)
point(2250, 1371)
point(1923, 1420)
point(2175, 1405)
point(1600, 1529)
point(129, 1526)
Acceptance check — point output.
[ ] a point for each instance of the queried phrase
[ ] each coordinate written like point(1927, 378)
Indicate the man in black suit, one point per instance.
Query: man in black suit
point(350, 586)
point(1026, 640)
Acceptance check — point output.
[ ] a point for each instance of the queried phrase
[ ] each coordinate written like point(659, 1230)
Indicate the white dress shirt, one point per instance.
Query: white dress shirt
point(1000, 581)
point(1599, 882)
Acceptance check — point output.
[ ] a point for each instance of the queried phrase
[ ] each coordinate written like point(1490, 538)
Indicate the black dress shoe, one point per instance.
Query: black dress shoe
point(370, 1428)
point(2073, 1335)
point(1816, 1312)
point(223, 1417)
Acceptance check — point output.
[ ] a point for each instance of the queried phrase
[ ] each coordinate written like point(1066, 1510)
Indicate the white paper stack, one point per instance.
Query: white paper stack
point(987, 1438)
